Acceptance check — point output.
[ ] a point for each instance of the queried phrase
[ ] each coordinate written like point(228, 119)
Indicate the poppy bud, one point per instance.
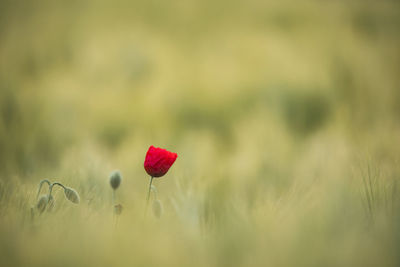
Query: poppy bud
point(157, 208)
point(71, 195)
point(42, 203)
point(115, 179)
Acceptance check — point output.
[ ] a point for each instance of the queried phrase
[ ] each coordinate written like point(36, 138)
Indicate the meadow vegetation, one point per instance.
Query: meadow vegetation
point(285, 117)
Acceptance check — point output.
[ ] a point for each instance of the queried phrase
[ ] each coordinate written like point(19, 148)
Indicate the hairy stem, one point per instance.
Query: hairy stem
point(53, 184)
point(40, 186)
point(148, 193)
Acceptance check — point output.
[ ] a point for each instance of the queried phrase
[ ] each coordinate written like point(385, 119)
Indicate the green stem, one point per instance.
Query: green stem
point(53, 184)
point(40, 186)
point(148, 194)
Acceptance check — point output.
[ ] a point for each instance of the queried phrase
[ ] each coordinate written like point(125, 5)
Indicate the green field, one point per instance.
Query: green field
point(285, 116)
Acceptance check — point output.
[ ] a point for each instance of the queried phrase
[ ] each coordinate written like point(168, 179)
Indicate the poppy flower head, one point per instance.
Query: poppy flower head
point(158, 161)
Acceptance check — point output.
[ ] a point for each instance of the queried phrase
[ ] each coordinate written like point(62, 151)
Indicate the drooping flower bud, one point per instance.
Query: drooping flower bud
point(42, 203)
point(115, 179)
point(71, 195)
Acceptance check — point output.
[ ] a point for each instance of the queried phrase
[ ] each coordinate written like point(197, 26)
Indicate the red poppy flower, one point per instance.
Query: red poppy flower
point(158, 161)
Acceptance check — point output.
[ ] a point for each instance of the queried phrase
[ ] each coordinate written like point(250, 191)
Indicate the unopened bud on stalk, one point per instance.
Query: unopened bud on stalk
point(42, 203)
point(71, 195)
point(157, 208)
point(115, 179)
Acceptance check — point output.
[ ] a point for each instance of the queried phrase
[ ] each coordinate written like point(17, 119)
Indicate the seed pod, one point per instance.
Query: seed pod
point(115, 179)
point(42, 203)
point(71, 195)
point(157, 208)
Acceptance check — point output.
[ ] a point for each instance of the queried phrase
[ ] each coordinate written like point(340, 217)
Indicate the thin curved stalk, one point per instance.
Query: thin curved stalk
point(40, 186)
point(148, 194)
point(53, 184)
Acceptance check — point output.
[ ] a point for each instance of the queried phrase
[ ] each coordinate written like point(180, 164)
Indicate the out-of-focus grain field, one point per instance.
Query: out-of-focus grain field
point(285, 116)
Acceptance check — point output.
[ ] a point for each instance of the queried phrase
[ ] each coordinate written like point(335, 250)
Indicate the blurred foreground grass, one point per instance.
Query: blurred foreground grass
point(285, 118)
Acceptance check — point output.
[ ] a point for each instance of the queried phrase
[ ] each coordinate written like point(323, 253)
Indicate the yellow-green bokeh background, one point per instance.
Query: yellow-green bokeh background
point(280, 111)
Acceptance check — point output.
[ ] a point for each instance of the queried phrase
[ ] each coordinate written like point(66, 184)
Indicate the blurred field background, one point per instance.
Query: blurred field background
point(285, 116)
